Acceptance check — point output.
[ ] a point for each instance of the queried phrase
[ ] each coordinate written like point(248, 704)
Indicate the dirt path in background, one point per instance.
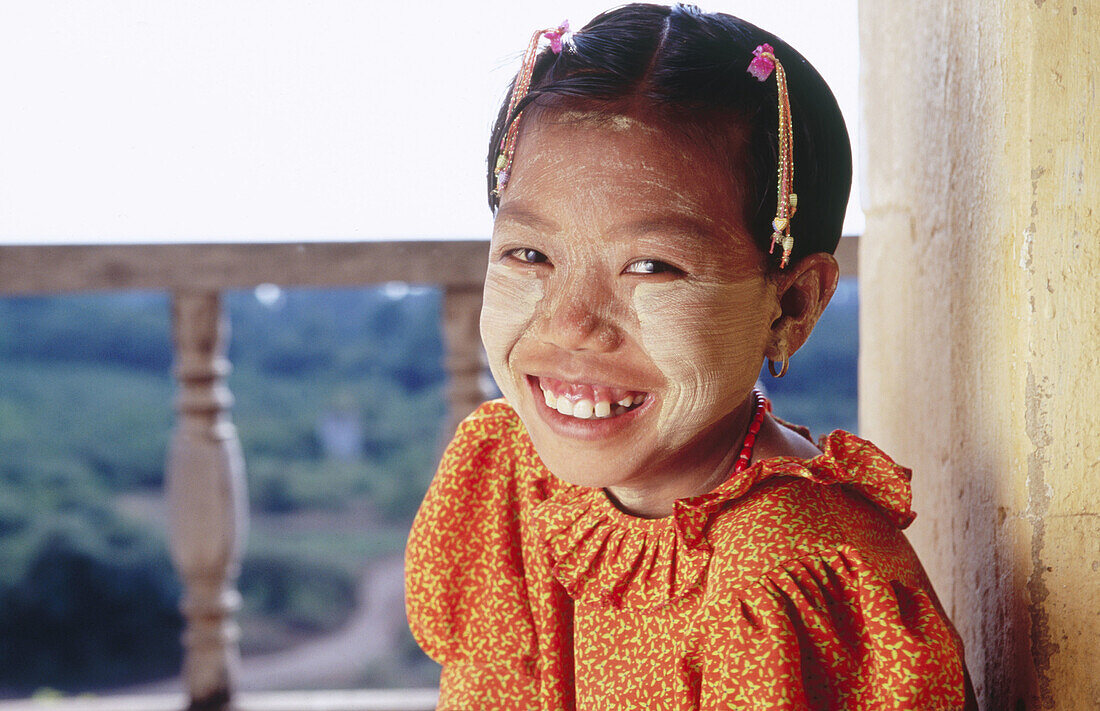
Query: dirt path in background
point(343, 657)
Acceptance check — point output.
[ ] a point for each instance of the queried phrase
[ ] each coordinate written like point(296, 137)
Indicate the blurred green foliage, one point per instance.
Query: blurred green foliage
point(80, 585)
point(88, 597)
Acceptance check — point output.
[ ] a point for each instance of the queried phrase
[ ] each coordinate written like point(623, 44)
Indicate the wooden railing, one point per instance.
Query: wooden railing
point(205, 478)
point(195, 273)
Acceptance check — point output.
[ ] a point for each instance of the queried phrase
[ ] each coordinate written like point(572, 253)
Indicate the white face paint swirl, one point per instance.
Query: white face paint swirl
point(626, 309)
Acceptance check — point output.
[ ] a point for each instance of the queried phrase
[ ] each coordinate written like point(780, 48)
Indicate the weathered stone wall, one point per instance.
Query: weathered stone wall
point(980, 330)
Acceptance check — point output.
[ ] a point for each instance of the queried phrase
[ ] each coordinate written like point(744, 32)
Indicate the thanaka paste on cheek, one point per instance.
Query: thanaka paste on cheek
point(507, 310)
point(708, 341)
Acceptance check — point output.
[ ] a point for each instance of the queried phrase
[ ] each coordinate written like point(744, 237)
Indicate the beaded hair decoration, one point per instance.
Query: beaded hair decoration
point(557, 36)
point(761, 67)
point(764, 62)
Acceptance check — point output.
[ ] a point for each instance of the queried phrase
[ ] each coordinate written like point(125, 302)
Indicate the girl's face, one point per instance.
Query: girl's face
point(626, 310)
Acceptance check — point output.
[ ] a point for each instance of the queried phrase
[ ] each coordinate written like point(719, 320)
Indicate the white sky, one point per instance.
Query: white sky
point(273, 120)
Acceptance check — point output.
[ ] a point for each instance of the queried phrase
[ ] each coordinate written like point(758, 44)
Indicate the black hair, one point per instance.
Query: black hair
point(687, 69)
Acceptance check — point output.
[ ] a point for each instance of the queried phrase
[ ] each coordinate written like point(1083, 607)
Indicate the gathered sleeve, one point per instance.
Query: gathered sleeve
point(827, 631)
point(465, 593)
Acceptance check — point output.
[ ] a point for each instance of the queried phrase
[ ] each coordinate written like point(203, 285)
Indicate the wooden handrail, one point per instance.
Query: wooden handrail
point(30, 269)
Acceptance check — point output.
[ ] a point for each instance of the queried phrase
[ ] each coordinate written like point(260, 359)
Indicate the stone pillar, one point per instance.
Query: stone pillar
point(465, 356)
point(979, 326)
point(207, 502)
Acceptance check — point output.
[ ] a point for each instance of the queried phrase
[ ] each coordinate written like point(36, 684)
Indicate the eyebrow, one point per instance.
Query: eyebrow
point(518, 213)
point(683, 225)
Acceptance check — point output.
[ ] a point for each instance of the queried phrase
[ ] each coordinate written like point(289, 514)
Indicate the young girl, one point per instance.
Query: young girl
point(629, 528)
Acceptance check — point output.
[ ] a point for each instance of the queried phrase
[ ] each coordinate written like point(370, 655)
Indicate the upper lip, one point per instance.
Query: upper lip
point(619, 370)
point(586, 379)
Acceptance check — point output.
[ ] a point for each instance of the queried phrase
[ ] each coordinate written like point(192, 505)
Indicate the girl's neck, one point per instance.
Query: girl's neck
point(775, 440)
point(657, 498)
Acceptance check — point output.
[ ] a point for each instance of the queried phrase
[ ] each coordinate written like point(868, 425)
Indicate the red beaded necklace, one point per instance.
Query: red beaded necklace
point(759, 408)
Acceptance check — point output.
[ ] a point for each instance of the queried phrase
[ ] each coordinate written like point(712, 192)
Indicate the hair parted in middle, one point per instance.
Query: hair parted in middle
point(685, 70)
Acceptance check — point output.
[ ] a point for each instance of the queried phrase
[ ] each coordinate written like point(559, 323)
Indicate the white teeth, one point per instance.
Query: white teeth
point(585, 409)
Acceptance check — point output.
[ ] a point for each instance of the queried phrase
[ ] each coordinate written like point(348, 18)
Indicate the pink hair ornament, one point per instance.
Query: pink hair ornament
point(557, 36)
point(761, 67)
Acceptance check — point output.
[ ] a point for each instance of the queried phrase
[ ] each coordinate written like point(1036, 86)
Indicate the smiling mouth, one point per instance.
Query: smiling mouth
point(584, 401)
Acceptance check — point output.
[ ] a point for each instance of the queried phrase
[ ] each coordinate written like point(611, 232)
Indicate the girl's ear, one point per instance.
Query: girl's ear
point(803, 291)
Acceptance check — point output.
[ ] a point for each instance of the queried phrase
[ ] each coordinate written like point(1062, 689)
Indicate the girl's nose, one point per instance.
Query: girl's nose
point(579, 318)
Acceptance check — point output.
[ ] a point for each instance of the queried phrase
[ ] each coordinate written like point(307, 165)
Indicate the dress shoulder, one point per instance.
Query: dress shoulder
point(816, 600)
point(785, 518)
point(465, 592)
point(828, 630)
point(461, 533)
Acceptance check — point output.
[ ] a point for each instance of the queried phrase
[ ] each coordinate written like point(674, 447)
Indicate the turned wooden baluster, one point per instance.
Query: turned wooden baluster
point(206, 500)
point(465, 357)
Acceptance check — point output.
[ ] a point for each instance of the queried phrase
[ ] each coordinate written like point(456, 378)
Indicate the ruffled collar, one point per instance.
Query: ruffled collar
point(605, 557)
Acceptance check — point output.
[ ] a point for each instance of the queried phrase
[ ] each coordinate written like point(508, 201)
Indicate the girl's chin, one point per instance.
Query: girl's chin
point(594, 463)
point(566, 469)
point(619, 484)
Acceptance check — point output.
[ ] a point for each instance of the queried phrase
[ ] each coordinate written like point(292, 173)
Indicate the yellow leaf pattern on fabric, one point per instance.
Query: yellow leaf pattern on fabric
point(790, 586)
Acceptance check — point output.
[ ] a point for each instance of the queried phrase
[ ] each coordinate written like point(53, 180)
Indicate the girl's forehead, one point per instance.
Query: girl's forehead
point(598, 182)
point(566, 161)
point(597, 119)
point(567, 132)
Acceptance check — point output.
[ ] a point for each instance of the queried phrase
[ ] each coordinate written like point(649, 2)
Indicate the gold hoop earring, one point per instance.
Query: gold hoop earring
point(782, 371)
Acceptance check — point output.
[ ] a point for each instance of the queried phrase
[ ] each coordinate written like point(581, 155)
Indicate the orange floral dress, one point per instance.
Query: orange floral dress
point(790, 586)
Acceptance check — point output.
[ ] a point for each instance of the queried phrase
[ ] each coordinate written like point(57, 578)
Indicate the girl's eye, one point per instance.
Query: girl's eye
point(528, 255)
point(650, 266)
